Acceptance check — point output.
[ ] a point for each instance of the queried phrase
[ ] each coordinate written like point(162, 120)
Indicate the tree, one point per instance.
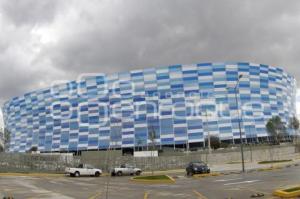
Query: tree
point(1, 141)
point(33, 149)
point(276, 128)
point(294, 124)
point(214, 142)
point(152, 137)
point(139, 143)
point(7, 134)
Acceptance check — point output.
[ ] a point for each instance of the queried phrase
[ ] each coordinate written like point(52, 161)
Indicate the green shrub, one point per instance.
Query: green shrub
point(273, 161)
point(158, 177)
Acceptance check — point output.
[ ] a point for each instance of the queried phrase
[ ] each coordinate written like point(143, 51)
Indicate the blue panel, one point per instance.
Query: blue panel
point(100, 110)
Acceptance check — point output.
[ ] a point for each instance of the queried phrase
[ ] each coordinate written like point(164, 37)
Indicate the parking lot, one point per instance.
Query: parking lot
point(224, 186)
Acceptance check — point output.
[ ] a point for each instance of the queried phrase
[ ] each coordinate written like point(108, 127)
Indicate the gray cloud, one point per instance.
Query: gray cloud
point(21, 12)
point(140, 34)
point(44, 41)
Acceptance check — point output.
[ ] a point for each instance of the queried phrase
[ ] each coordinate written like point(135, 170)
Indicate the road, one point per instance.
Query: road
point(227, 186)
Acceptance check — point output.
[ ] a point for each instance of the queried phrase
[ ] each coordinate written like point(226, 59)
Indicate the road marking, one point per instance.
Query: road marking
point(95, 196)
point(242, 182)
point(233, 189)
point(146, 195)
point(225, 180)
point(200, 196)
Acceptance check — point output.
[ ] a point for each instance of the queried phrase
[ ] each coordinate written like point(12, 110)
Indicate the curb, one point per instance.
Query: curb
point(284, 193)
point(231, 172)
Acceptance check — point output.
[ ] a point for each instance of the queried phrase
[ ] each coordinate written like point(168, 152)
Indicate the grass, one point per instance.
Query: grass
point(156, 177)
point(292, 189)
point(270, 169)
point(273, 161)
point(206, 175)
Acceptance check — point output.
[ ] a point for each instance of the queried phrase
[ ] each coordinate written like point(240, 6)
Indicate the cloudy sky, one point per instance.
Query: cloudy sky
point(42, 41)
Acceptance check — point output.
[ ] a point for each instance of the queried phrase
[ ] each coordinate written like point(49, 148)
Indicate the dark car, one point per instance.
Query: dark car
point(197, 168)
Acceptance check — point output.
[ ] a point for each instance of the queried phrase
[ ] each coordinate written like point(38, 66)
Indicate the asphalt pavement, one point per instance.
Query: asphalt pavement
point(236, 186)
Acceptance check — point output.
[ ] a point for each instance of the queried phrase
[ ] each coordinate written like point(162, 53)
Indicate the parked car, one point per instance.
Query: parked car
point(83, 170)
point(197, 168)
point(126, 169)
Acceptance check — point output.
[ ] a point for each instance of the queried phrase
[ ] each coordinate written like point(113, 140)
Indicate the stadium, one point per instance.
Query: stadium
point(173, 106)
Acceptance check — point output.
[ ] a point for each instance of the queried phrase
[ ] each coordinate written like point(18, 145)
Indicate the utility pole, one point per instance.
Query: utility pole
point(239, 121)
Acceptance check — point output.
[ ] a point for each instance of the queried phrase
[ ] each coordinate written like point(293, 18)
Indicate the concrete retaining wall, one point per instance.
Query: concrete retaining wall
point(175, 162)
point(20, 162)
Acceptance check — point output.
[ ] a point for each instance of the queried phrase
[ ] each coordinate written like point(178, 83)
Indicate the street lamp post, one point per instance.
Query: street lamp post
point(208, 133)
point(239, 121)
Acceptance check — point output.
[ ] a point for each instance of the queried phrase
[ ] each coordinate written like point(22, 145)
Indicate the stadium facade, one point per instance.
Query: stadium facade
point(174, 106)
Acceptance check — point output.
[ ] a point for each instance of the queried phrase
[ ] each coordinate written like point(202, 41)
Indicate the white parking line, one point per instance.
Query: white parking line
point(226, 180)
point(242, 182)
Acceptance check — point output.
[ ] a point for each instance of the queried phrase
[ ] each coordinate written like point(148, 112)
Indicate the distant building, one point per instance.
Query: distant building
point(175, 106)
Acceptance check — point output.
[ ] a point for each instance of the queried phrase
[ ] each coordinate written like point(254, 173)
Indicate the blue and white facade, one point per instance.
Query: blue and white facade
point(180, 104)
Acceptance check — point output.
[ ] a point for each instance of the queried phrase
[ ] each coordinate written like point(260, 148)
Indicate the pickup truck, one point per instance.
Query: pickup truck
point(126, 169)
point(83, 170)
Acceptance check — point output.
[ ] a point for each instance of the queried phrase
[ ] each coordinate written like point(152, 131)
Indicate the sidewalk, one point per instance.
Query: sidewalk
point(250, 166)
point(227, 168)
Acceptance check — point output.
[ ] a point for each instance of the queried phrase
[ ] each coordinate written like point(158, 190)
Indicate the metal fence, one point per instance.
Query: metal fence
point(56, 163)
point(22, 162)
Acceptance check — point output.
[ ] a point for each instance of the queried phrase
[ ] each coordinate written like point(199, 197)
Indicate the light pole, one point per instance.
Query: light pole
point(208, 133)
point(239, 121)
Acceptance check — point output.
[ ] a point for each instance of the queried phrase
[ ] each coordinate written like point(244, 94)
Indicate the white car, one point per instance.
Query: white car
point(126, 169)
point(83, 170)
